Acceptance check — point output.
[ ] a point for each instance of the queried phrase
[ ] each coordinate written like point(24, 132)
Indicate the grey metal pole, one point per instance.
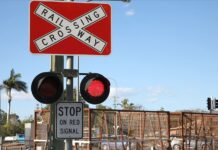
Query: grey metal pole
point(57, 65)
point(69, 90)
point(78, 82)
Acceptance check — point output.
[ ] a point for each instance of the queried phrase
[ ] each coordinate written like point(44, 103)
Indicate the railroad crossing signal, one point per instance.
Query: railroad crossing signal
point(209, 103)
point(95, 88)
point(216, 103)
point(47, 87)
point(212, 103)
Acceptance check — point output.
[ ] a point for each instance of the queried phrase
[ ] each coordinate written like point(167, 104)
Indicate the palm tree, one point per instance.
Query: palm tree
point(126, 105)
point(13, 82)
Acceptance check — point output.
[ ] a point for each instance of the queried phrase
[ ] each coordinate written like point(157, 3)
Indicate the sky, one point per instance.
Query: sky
point(164, 54)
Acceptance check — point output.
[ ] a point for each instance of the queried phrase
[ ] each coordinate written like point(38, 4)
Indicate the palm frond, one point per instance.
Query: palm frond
point(13, 82)
point(12, 73)
point(20, 86)
point(6, 84)
point(17, 76)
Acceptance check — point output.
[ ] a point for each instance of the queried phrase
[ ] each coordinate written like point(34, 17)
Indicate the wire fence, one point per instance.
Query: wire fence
point(194, 131)
point(133, 130)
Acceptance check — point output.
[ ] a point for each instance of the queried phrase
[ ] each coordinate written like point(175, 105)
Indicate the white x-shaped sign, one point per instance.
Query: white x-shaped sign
point(74, 28)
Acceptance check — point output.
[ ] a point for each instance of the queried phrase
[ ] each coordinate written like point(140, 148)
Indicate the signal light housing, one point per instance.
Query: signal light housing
point(95, 88)
point(209, 103)
point(216, 103)
point(47, 87)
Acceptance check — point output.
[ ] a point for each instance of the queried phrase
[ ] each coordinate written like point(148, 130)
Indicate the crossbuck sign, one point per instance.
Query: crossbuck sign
point(70, 28)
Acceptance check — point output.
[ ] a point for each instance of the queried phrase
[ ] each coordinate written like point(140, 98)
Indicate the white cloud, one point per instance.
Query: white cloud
point(156, 93)
point(152, 100)
point(121, 92)
point(17, 95)
point(156, 90)
point(130, 12)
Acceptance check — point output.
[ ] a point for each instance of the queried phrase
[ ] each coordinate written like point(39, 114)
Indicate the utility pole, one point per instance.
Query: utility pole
point(57, 65)
point(69, 88)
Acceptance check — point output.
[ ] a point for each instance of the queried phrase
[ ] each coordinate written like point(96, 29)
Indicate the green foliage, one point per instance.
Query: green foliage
point(125, 104)
point(162, 109)
point(30, 119)
point(13, 82)
point(12, 129)
point(3, 117)
point(100, 106)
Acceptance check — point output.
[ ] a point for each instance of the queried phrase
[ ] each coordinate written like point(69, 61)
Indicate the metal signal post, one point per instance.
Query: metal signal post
point(47, 87)
point(69, 88)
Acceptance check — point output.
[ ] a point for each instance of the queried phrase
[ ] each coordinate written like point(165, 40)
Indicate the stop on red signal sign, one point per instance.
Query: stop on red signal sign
point(95, 88)
point(70, 28)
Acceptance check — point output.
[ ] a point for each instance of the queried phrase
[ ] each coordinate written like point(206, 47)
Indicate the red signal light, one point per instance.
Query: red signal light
point(47, 87)
point(95, 88)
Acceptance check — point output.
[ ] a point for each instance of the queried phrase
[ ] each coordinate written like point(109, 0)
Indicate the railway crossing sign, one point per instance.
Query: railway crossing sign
point(71, 28)
point(69, 120)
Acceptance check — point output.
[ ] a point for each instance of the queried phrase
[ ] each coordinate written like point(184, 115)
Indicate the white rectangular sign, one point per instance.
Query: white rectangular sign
point(69, 120)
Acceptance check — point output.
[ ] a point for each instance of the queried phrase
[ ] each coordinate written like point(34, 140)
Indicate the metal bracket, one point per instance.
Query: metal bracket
point(84, 74)
point(70, 73)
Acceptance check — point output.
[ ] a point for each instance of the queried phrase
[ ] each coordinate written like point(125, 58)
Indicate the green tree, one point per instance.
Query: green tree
point(100, 106)
point(125, 104)
point(3, 117)
point(162, 109)
point(13, 82)
point(12, 128)
point(29, 119)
